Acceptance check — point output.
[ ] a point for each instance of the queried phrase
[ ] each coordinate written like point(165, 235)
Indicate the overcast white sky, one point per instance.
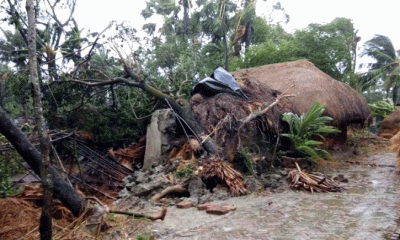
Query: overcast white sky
point(369, 17)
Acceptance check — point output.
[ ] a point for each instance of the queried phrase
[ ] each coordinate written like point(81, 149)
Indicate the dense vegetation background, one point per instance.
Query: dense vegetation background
point(195, 38)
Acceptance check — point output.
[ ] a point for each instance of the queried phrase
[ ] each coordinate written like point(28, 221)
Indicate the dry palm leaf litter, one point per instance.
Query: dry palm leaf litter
point(216, 167)
point(311, 182)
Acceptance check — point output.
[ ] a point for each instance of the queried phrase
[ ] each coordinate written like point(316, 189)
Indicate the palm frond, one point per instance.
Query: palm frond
point(302, 129)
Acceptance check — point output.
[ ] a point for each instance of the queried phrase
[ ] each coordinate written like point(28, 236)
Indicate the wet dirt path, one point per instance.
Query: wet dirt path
point(369, 208)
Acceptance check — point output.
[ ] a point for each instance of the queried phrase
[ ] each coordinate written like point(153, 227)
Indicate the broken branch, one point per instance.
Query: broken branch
point(265, 110)
point(141, 215)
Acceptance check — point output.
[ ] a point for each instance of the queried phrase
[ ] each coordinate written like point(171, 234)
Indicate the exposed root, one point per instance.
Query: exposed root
point(168, 190)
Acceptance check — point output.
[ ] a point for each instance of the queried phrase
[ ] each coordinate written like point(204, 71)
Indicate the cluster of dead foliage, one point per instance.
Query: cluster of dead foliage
point(20, 217)
point(311, 182)
point(132, 156)
point(20, 214)
point(216, 167)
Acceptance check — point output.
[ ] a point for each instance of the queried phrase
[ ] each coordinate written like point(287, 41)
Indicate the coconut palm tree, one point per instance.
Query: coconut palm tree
point(216, 22)
point(387, 65)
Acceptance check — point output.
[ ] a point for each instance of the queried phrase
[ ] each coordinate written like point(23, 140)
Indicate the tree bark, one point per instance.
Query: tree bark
point(185, 4)
point(61, 189)
point(45, 227)
point(395, 93)
point(226, 50)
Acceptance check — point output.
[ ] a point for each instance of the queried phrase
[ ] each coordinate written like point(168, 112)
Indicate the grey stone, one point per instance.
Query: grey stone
point(140, 177)
point(131, 202)
point(196, 187)
point(221, 193)
point(252, 184)
point(143, 189)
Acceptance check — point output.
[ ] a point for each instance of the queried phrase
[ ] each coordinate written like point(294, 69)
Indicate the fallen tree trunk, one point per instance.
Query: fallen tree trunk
point(62, 190)
point(209, 145)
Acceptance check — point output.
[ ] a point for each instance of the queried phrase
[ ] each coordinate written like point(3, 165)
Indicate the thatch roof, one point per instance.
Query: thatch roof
point(343, 103)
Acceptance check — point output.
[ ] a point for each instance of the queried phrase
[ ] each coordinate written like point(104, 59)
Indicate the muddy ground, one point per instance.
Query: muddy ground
point(368, 208)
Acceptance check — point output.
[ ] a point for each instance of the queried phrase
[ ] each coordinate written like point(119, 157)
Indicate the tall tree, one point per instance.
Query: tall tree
point(216, 23)
point(186, 4)
point(387, 65)
point(49, 38)
point(328, 46)
point(46, 216)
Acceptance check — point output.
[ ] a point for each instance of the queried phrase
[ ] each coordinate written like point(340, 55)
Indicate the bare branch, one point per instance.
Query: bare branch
point(160, 216)
point(72, 12)
point(54, 15)
point(171, 189)
point(265, 110)
point(95, 43)
point(13, 12)
point(109, 82)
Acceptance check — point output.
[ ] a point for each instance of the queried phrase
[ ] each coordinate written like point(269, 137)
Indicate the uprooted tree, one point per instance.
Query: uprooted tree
point(215, 166)
point(61, 189)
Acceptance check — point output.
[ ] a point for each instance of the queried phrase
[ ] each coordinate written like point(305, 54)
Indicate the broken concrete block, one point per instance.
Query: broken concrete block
point(160, 130)
point(184, 204)
point(216, 209)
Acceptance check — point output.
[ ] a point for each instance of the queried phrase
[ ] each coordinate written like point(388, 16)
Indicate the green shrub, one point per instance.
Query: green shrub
point(185, 172)
point(382, 108)
point(304, 129)
point(247, 161)
point(8, 168)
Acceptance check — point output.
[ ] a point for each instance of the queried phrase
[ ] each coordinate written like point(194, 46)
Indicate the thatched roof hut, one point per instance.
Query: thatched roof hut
point(343, 103)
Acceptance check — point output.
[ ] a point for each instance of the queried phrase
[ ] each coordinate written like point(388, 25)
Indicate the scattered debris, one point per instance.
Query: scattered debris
point(20, 215)
point(184, 204)
point(154, 217)
point(183, 155)
point(311, 182)
point(130, 157)
point(212, 208)
point(216, 167)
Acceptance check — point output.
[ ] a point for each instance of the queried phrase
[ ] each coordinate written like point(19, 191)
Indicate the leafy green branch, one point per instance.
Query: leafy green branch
point(382, 108)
